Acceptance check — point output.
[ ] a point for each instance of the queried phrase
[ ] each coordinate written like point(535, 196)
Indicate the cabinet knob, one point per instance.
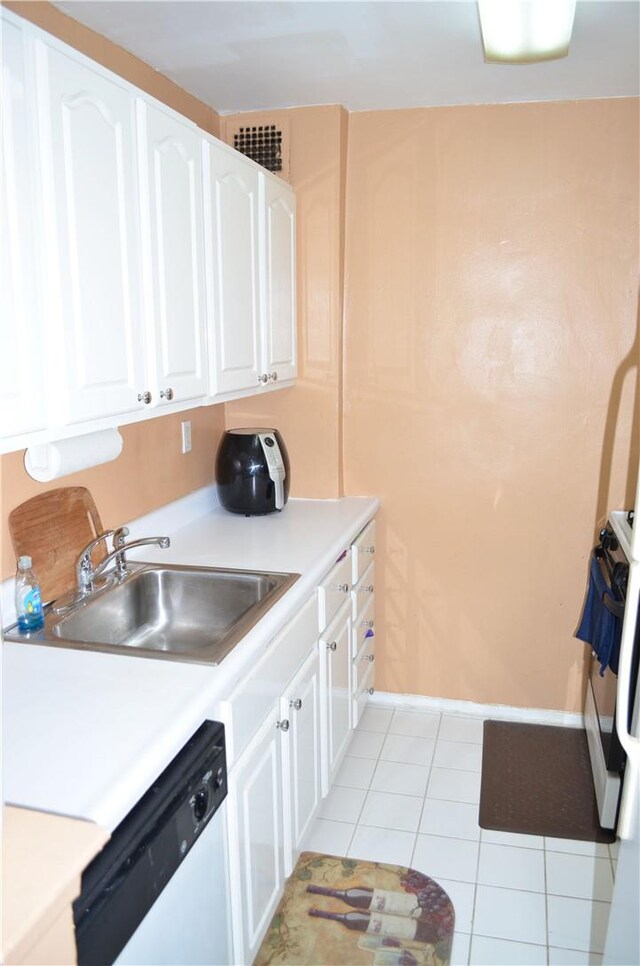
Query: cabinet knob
point(263, 378)
point(366, 623)
point(332, 645)
point(367, 550)
point(367, 590)
point(370, 657)
point(273, 376)
point(166, 394)
point(344, 588)
point(297, 704)
point(283, 725)
point(144, 397)
point(367, 690)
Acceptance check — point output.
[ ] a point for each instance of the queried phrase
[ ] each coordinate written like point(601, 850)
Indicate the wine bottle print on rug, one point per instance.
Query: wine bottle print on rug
point(345, 911)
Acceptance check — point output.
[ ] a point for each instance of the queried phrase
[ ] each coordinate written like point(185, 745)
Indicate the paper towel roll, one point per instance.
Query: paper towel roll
point(52, 460)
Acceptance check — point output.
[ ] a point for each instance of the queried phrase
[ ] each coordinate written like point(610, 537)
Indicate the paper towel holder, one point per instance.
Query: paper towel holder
point(49, 461)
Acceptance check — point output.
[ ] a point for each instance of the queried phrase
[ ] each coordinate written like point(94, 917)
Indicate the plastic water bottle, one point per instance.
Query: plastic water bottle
point(28, 598)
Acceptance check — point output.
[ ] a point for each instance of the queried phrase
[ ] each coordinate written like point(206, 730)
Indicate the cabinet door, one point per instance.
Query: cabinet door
point(89, 173)
point(232, 269)
point(22, 400)
point(256, 840)
point(300, 705)
point(173, 229)
point(335, 657)
point(279, 253)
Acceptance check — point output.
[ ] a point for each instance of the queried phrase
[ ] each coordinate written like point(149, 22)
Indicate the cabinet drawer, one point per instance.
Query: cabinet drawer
point(252, 699)
point(363, 626)
point(334, 590)
point(363, 663)
point(362, 694)
point(363, 549)
point(363, 591)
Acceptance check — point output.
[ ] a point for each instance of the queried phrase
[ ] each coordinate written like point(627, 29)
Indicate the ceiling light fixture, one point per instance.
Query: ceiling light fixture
point(525, 31)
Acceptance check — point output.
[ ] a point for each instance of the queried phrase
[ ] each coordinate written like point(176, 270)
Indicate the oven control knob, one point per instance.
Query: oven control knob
point(608, 539)
point(200, 804)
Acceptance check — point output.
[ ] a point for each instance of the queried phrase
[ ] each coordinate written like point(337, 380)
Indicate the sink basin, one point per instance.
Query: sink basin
point(195, 614)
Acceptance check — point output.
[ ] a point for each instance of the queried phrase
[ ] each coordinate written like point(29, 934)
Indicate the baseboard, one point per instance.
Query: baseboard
point(500, 712)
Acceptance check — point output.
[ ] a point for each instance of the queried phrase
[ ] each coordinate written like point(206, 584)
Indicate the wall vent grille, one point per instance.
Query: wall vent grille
point(261, 143)
point(262, 140)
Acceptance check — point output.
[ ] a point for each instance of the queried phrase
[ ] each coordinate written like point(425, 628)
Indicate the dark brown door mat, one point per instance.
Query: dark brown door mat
point(536, 779)
point(336, 912)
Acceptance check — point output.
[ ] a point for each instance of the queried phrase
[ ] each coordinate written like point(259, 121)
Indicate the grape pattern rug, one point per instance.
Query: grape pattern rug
point(343, 911)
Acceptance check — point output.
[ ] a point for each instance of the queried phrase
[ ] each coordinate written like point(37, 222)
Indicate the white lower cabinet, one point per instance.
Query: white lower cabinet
point(288, 725)
point(274, 778)
point(363, 617)
point(256, 838)
point(300, 706)
point(335, 667)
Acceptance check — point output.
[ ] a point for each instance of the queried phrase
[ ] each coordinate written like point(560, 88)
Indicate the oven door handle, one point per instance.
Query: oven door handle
point(613, 606)
point(624, 706)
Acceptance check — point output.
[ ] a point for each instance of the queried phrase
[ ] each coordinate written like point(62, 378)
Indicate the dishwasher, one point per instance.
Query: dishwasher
point(157, 893)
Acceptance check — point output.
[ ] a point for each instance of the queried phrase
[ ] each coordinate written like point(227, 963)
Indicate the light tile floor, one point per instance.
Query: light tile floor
point(408, 792)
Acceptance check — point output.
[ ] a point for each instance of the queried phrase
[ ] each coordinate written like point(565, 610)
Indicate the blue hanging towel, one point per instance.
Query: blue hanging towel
point(598, 626)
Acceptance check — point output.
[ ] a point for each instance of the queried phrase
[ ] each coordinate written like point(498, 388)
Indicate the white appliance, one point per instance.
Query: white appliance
point(622, 945)
point(157, 894)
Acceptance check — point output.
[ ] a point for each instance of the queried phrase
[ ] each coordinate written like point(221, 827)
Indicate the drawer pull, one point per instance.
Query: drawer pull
point(297, 704)
point(283, 725)
point(332, 645)
point(344, 588)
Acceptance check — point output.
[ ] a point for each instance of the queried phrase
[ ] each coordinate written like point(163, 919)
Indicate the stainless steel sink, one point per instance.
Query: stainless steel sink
point(194, 614)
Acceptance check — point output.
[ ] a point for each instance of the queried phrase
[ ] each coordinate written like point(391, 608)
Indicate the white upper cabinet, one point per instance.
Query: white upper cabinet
point(145, 265)
point(87, 135)
point(251, 274)
point(279, 247)
point(170, 154)
point(232, 204)
point(22, 405)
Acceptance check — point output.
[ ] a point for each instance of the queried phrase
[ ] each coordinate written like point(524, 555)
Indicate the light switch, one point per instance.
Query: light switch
point(186, 435)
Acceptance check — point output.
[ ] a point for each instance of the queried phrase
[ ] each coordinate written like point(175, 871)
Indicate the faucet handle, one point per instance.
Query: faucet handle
point(119, 537)
point(88, 550)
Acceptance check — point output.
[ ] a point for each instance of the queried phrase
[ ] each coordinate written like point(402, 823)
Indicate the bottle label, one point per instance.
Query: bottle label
point(33, 603)
point(395, 903)
point(398, 926)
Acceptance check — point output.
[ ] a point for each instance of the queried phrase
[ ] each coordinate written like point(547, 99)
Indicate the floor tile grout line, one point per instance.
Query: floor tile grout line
point(368, 788)
point(475, 890)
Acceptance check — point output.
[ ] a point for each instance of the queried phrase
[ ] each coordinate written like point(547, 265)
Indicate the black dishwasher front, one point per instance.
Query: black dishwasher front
point(122, 883)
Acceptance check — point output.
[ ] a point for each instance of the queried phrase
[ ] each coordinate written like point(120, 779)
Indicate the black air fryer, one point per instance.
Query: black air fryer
point(252, 471)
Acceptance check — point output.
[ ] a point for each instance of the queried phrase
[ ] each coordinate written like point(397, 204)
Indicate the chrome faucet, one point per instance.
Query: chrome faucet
point(86, 573)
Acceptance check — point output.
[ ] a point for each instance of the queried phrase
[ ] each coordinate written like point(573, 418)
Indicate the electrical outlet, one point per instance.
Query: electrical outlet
point(186, 435)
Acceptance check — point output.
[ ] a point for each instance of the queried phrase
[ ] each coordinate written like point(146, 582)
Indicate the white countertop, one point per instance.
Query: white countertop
point(86, 733)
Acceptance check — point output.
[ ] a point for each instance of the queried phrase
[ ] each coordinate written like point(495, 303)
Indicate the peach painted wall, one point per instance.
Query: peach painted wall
point(151, 470)
point(309, 415)
point(491, 297)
